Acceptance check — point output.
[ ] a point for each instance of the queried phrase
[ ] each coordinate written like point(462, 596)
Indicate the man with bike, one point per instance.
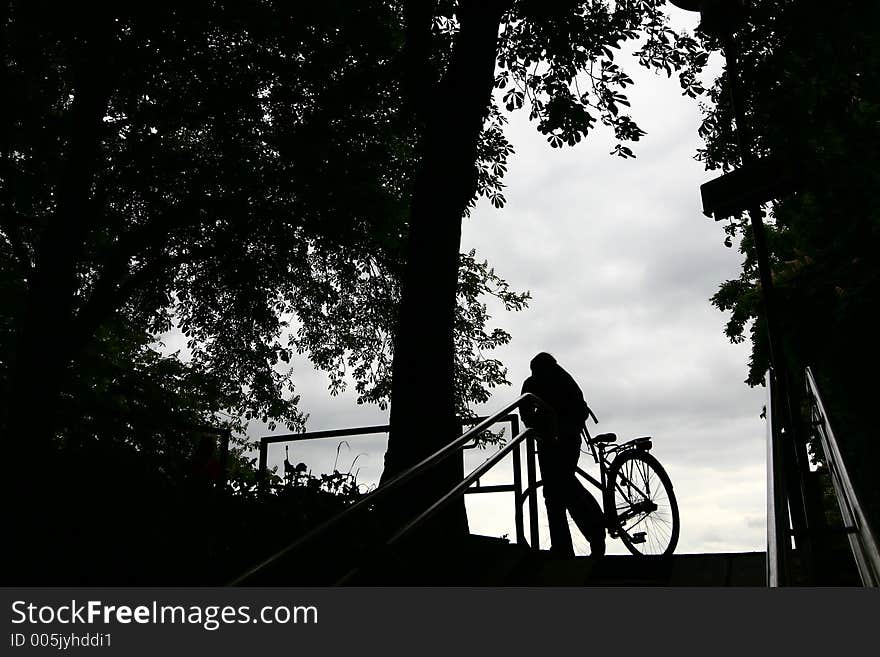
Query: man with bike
point(558, 455)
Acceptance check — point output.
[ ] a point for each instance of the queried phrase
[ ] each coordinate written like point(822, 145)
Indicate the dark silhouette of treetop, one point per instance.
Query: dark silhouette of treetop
point(272, 180)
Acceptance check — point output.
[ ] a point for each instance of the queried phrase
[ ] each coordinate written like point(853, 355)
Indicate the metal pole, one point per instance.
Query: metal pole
point(862, 541)
point(796, 461)
point(264, 465)
point(517, 484)
point(534, 539)
point(778, 537)
point(224, 460)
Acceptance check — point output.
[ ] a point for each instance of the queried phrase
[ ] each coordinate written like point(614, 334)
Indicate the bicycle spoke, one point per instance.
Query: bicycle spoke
point(643, 505)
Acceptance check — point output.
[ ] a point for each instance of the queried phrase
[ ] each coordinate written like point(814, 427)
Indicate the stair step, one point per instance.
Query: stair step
point(489, 561)
point(723, 569)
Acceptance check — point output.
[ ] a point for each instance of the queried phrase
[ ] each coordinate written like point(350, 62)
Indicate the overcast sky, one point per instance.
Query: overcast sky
point(620, 263)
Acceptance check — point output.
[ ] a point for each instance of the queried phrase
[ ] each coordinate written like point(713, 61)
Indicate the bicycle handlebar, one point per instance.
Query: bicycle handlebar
point(591, 414)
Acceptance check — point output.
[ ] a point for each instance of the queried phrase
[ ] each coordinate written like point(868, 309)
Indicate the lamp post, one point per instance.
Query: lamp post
point(746, 189)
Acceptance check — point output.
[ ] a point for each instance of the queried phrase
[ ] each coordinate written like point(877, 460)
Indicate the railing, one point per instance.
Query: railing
point(263, 471)
point(394, 483)
point(862, 541)
point(516, 486)
point(778, 535)
point(785, 496)
point(458, 490)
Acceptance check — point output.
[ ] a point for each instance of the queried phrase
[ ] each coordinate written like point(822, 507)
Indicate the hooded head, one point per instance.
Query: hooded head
point(542, 364)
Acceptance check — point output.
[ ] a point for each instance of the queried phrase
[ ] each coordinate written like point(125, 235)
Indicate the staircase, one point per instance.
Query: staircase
point(489, 561)
point(361, 556)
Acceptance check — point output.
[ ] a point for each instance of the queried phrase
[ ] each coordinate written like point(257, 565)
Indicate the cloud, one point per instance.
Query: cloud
point(621, 264)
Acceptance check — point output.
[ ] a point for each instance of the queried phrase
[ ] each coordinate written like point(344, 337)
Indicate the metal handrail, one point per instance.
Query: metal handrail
point(265, 441)
point(862, 541)
point(516, 487)
point(396, 481)
point(461, 487)
point(263, 467)
point(457, 491)
point(778, 541)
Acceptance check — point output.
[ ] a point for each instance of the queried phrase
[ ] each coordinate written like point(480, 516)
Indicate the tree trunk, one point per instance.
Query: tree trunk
point(45, 337)
point(44, 333)
point(423, 396)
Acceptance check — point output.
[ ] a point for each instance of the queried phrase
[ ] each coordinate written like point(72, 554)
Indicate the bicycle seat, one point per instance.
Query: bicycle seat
point(605, 438)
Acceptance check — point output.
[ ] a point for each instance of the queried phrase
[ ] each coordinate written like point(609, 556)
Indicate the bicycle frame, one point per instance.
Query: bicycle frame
point(636, 502)
point(603, 457)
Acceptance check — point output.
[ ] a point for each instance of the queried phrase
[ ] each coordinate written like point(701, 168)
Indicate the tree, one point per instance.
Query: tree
point(810, 90)
point(543, 52)
point(239, 169)
point(189, 133)
point(228, 166)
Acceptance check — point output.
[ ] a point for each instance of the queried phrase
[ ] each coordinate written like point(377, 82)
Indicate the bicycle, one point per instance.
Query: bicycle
point(637, 497)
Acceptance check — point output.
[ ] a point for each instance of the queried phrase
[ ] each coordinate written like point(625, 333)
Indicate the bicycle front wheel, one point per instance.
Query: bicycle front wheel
point(642, 505)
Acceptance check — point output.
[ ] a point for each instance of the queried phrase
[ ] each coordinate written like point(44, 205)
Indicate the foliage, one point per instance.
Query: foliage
point(352, 332)
point(810, 88)
point(125, 392)
point(560, 57)
point(475, 373)
point(810, 74)
point(237, 170)
point(145, 527)
point(253, 173)
point(463, 60)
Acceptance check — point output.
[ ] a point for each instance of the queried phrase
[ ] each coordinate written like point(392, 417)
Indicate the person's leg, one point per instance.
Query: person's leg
point(554, 499)
point(584, 510)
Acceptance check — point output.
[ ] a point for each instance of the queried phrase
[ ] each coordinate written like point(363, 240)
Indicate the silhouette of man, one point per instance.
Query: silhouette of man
point(558, 455)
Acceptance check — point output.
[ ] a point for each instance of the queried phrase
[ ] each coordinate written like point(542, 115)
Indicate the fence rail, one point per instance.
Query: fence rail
point(862, 541)
point(395, 482)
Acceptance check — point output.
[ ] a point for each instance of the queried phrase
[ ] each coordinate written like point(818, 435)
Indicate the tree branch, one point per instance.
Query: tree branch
point(115, 283)
point(12, 231)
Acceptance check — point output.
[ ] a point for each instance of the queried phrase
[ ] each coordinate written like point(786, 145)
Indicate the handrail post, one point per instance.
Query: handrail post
point(262, 475)
point(394, 483)
point(862, 541)
point(778, 541)
point(517, 484)
point(223, 457)
point(460, 488)
point(531, 474)
point(792, 456)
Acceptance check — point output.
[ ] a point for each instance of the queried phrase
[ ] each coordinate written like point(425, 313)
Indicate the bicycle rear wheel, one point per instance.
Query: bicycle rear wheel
point(641, 504)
